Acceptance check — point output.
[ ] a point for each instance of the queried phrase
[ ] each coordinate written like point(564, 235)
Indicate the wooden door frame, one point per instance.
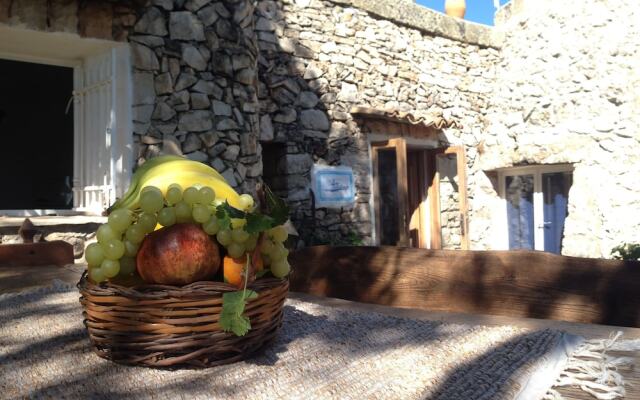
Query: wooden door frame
point(400, 147)
point(433, 192)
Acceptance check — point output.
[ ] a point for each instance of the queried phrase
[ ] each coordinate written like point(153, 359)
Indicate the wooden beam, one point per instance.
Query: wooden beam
point(510, 283)
point(57, 252)
point(403, 192)
point(433, 194)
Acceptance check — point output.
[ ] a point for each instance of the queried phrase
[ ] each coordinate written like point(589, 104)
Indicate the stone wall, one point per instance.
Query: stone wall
point(110, 20)
point(319, 58)
point(195, 85)
point(566, 91)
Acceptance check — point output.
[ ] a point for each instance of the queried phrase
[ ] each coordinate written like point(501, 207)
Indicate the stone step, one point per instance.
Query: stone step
point(77, 230)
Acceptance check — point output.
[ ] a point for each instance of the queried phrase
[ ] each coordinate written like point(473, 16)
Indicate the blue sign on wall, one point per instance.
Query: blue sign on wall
point(333, 187)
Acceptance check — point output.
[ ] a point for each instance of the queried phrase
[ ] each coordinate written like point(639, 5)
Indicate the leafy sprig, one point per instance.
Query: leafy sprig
point(276, 212)
point(232, 318)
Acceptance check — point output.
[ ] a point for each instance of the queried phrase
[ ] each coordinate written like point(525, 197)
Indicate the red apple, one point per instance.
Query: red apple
point(178, 255)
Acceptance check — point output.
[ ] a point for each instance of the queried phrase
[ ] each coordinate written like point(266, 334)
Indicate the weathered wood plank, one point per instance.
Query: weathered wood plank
point(57, 252)
point(510, 283)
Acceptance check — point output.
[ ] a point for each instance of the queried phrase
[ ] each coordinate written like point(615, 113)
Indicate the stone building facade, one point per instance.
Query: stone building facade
point(266, 91)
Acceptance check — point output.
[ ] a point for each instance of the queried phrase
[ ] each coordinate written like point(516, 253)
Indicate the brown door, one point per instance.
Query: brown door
point(391, 191)
point(419, 196)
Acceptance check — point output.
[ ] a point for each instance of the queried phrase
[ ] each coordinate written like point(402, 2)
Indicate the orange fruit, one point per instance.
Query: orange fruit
point(232, 270)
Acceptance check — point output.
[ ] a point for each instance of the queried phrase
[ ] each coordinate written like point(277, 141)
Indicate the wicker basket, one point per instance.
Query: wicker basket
point(170, 326)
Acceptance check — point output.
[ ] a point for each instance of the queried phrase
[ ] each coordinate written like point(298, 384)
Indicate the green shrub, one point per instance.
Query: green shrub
point(627, 251)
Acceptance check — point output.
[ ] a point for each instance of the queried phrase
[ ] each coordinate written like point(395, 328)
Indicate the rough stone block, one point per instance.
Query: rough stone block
point(184, 25)
point(95, 20)
point(63, 16)
point(152, 22)
point(196, 121)
point(143, 57)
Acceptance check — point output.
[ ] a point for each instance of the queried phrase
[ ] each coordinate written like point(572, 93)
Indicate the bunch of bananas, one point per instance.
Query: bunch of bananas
point(165, 170)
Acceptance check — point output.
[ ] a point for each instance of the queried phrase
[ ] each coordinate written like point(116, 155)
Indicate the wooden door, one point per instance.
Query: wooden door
point(447, 195)
point(420, 196)
point(391, 191)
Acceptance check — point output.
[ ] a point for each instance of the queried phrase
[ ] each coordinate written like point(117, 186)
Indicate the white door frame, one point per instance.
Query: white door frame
point(538, 199)
point(121, 146)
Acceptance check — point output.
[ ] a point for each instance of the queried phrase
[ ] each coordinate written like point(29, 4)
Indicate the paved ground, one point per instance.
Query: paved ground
point(14, 279)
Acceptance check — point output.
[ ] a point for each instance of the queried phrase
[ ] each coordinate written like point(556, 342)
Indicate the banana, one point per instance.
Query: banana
point(135, 178)
point(191, 177)
point(173, 169)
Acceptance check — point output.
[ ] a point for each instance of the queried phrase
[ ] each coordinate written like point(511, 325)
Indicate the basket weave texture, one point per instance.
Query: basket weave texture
point(170, 326)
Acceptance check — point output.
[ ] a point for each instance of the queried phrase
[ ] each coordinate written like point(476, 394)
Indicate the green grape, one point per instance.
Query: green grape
point(218, 202)
point(167, 216)
point(131, 249)
point(174, 194)
point(211, 226)
point(147, 222)
point(251, 243)
point(279, 233)
point(183, 212)
point(267, 246)
point(191, 195)
point(135, 233)
point(120, 220)
point(239, 235)
point(151, 201)
point(278, 252)
point(106, 232)
point(224, 237)
point(113, 249)
point(237, 223)
point(201, 214)
point(246, 202)
point(94, 255)
point(280, 268)
point(206, 195)
point(235, 250)
point(127, 265)
point(96, 274)
point(110, 268)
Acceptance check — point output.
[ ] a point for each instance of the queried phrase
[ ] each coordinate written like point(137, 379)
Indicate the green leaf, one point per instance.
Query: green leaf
point(233, 212)
point(258, 223)
point(278, 209)
point(223, 218)
point(232, 318)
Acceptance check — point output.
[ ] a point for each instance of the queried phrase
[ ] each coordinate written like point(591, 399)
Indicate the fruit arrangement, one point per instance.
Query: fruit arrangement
point(181, 222)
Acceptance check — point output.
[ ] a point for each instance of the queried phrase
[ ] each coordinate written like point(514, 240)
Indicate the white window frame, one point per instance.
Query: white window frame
point(121, 152)
point(538, 200)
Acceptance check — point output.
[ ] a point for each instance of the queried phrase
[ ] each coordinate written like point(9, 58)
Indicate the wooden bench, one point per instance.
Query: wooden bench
point(509, 283)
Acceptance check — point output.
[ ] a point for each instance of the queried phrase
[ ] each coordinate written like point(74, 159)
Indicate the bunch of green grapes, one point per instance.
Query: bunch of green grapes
point(274, 253)
point(120, 238)
point(118, 242)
